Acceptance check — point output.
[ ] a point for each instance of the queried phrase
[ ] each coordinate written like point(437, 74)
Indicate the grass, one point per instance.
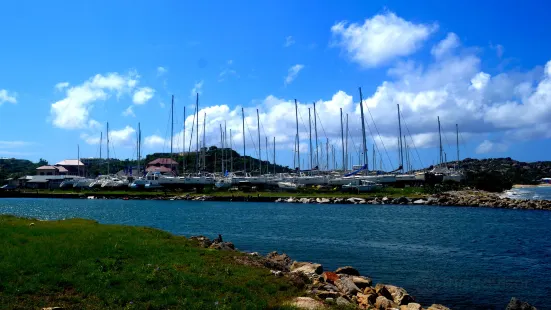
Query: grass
point(80, 264)
point(390, 192)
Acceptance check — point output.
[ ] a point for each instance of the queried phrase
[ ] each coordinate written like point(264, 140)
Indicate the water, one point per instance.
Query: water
point(465, 258)
point(539, 193)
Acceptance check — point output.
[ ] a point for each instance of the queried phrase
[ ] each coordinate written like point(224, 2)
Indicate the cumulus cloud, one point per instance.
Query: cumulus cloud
point(197, 89)
point(129, 112)
point(125, 137)
point(61, 85)
point(293, 73)
point(289, 41)
point(161, 71)
point(73, 111)
point(445, 46)
point(143, 95)
point(380, 39)
point(5, 96)
point(488, 146)
point(154, 142)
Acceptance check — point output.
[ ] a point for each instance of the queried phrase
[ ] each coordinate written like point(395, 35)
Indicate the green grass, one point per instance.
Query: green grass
point(80, 264)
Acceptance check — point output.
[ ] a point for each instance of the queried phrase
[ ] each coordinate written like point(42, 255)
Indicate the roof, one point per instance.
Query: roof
point(58, 168)
point(163, 161)
point(39, 181)
point(70, 162)
point(158, 169)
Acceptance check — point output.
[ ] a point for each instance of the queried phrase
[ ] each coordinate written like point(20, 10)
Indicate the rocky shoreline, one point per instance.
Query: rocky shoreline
point(463, 198)
point(343, 287)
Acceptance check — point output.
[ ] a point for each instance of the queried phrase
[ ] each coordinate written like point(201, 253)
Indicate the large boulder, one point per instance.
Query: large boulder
point(307, 303)
point(306, 268)
point(347, 286)
point(202, 240)
point(381, 290)
point(349, 270)
point(278, 261)
point(383, 303)
point(330, 277)
point(516, 304)
point(361, 282)
point(438, 307)
point(327, 294)
point(399, 295)
point(411, 306)
point(341, 301)
point(224, 246)
point(366, 300)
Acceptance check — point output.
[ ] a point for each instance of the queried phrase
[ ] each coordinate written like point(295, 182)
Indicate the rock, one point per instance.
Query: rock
point(362, 282)
point(330, 277)
point(291, 200)
point(325, 200)
point(346, 286)
point(341, 301)
point(298, 279)
point(224, 246)
point(307, 303)
point(381, 290)
point(202, 240)
point(399, 295)
point(278, 261)
point(254, 254)
point(327, 294)
point(276, 273)
point(369, 290)
point(349, 270)
point(306, 268)
point(413, 306)
point(384, 303)
point(330, 300)
point(366, 300)
point(437, 307)
point(516, 304)
point(53, 308)
point(330, 287)
point(419, 202)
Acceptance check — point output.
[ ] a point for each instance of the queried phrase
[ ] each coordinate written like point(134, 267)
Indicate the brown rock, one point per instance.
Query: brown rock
point(438, 307)
point(399, 295)
point(381, 290)
point(327, 294)
point(516, 304)
point(306, 268)
point(330, 277)
point(362, 282)
point(278, 261)
point(349, 270)
point(366, 300)
point(369, 290)
point(346, 286)
point(413, 306)
point(307, 303)
point(383, 303)
point(223, 246)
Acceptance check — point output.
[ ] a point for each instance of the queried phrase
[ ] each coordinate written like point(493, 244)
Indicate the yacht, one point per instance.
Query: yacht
point(363, 187)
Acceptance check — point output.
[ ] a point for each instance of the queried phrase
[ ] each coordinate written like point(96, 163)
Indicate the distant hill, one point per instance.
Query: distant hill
point(517, 172)
point(15, 168)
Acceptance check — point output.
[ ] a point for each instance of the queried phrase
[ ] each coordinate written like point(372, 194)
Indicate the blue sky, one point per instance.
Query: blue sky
point(68, 67)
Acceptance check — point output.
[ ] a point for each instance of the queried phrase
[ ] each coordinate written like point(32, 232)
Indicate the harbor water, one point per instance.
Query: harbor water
point(464, 258)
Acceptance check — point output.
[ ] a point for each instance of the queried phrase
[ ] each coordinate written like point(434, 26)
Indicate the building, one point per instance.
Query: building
point(161, 165)
point(51, 170)
point(73, 166)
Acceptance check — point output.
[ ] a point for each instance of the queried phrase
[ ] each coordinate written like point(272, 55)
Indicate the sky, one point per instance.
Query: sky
point(69, 67)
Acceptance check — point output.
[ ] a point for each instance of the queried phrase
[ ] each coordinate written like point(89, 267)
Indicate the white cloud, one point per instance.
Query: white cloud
point(197, 89)
point(129, 112)
point(154, 141)
point(143, 95)
point(293, 73)
point(161, 71)
point(289, 41)
point(488, 146)
point(445, 46)
point(5, 96)
point(480, 81)
point(73, 111)
point(125, 137)
point(61, 86)
point(13, 144)
point(380, 39)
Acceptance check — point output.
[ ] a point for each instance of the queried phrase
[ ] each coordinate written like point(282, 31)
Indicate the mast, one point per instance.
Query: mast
point(204, 148)
point(224, 151)
point(197, 133)
point(267, 158)
point(400, 147)
point(342, 142)
point(231, 152)
point(274, 158)
point(222, 146)
point(327, 152)
point(406, 168)
point(440, 139)
point(457, 142)
point(333, 156)
point(184, 143)
point(107, 147)
point(298, 138)
point(374, 161)
point(363, 131)
point(171, 133)
point(244, 159)
point(138, 149)
point(310, 130)
point(259, 148)
point(316, 133)
point(346, 141)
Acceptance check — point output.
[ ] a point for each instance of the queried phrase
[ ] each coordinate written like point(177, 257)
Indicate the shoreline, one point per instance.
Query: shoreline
point(463, 198)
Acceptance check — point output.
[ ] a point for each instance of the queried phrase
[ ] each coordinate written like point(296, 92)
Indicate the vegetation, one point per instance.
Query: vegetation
point(80, 264)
